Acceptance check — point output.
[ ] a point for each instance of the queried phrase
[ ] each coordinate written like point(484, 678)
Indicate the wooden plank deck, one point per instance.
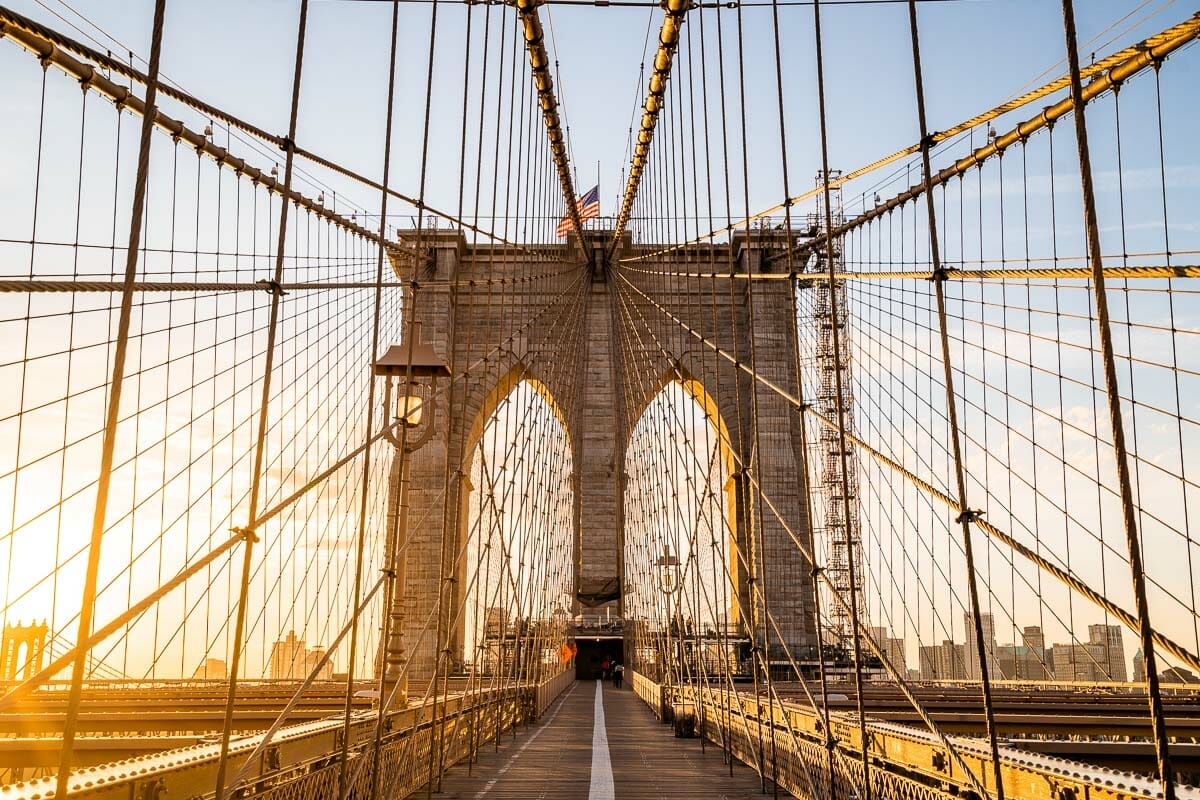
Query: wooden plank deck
point(553, 758)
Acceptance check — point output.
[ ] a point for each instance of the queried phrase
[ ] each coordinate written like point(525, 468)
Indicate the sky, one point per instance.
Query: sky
point(976, 54)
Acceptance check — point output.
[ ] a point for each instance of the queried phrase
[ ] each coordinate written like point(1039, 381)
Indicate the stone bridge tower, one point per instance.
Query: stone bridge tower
point(22, 650)
point(469, 320)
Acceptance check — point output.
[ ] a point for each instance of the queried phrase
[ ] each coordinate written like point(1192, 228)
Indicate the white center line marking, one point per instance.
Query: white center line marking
point(525, 744)
point(601, 787)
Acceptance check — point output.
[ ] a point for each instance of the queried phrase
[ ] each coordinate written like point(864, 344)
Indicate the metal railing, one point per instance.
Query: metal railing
point(913, 763)
point(303, 760)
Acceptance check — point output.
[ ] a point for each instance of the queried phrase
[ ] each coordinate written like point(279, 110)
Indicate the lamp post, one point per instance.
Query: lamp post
point(668, 584)
point(414, 367)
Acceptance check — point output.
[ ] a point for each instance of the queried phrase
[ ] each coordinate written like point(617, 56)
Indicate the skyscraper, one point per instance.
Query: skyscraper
point(892, 648)
point(292, 660)
point(1084, 663)
point(287, 657)
point(1112, 664)
point(971, 652)
point(1033, 662)
point(942, 662)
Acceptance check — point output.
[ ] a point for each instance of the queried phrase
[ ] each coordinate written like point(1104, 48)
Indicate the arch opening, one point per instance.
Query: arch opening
point(518, 574)
point(680, 537)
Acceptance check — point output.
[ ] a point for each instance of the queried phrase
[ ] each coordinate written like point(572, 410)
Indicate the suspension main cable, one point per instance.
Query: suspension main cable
point(1112, 71)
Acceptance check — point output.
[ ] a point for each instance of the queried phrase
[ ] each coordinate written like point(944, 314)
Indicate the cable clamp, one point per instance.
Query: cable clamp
point(247, 534)
point(970, 515)
point(85, 82)
point(816, 571)
point(388, 573)
point(929, 141)
point(271, 286)
point(940, 274)
point(287, 144)
point(831, 743)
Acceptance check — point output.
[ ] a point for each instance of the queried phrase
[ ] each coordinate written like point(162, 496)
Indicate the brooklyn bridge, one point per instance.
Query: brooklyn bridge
point(841, 443)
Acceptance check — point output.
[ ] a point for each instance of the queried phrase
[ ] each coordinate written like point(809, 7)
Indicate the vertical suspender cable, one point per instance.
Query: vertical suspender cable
point(450, 515)
point(264, 403)
point(966, 515)
point(370, 410)
point(1129, 511)
point(834, 322)
point(112, 413)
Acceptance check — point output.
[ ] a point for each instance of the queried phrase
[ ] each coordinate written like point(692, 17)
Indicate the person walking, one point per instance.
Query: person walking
point(604, 665)
point(618, 673)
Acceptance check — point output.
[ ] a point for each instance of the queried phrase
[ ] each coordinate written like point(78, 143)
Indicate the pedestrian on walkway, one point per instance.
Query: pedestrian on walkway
point(604, 665)
point(618, 673)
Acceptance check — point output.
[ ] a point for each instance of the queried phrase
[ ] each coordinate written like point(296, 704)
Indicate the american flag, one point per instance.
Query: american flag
point(589, 207)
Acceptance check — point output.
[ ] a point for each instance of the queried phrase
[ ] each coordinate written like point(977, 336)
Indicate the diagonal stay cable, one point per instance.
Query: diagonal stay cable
point(53, 47)
point(1161, 43)
point(1063, 575)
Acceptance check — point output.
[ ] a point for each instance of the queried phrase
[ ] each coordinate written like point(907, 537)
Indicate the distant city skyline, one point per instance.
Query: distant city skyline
point(1101, 658)
point(293, 659)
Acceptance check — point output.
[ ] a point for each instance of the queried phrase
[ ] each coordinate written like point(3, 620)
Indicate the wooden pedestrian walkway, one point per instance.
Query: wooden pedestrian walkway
point(600, 743)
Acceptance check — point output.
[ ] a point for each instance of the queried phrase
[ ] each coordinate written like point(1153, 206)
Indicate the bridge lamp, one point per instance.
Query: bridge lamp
point(416, 368)
point(668, 584)
point(668, 573)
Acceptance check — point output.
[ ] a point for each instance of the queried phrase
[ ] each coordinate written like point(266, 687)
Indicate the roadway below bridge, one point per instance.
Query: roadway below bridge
point(1031, 710)
point(1106, 726)
point(125, 719)
point(600, 743)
